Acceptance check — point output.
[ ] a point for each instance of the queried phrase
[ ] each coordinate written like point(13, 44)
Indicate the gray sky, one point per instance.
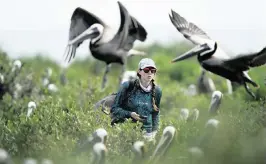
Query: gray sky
point(31, 26)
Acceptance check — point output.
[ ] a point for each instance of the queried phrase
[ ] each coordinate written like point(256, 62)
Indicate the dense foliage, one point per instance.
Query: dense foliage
point(62, 117)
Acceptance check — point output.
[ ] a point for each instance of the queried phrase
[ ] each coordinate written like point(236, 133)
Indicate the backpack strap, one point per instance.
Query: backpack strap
point(127, 92)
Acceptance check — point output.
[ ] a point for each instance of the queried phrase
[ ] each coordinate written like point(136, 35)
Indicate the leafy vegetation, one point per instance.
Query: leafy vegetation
point(61, 118)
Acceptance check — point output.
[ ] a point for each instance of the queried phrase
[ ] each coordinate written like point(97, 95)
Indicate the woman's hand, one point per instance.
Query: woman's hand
point(136, 116)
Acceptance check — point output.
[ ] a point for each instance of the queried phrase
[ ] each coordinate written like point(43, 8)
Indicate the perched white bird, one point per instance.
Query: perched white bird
point(52, 88)
point(165, 141)
point(31, 108)
point(99, 153)
point(184, 113)
point(215, 102)
point(16, 65)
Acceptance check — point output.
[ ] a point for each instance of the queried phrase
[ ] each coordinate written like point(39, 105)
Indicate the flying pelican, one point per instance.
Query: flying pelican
point(212, 58)
point(85, 25)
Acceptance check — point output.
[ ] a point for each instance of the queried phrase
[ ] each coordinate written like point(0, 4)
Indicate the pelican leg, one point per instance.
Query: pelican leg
point(249, 91)
point(252, 82)
point(122, 73)
point(108, 66)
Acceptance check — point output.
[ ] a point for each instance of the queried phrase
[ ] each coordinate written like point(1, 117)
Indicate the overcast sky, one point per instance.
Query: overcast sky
point(31, 26)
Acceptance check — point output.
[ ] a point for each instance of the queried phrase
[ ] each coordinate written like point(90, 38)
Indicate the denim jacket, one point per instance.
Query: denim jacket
point(139, 102)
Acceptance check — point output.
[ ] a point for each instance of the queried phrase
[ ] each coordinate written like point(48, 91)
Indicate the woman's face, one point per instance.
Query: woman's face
point(147, 74)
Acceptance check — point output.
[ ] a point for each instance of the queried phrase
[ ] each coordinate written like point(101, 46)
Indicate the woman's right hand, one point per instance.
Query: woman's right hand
point(136, 116)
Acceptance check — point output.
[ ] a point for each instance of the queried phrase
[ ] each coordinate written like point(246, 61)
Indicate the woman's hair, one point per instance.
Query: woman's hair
point(136, 84)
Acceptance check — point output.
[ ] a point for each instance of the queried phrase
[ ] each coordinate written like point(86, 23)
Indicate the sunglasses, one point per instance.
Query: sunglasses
point(147, 69)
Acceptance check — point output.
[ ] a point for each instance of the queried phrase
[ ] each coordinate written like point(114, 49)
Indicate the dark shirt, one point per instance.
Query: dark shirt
point(139, 102)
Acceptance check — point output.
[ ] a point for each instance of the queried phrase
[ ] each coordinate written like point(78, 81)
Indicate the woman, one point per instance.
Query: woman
point(143, 102)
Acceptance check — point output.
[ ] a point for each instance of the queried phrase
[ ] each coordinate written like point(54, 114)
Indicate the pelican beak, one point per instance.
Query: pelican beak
point(88, 34)
point(194, 51)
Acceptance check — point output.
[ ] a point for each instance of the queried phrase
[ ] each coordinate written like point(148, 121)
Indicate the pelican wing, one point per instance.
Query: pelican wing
point(135, 32)
point(81, 20)
point(244, 62)
point(122, 33)
point(260, 58)
point(188, 29)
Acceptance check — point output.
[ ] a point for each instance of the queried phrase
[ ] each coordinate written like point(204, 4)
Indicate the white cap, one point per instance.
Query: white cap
point(146, 62)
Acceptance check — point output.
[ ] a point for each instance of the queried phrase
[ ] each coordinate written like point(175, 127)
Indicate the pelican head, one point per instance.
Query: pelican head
point(99, 152)
point(198, 50)
point(94, 33)
point(100, 135)
point(184, 113)
point(16, 65)
point(139, 148)
point(215, 101)
point(166, 139)
point(31, 107)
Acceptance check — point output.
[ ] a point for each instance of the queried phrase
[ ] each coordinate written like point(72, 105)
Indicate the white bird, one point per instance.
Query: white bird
point(16, 65)
point(4, 157)
point(100, 135)
point(184, 113)
point(215, 102)
point(212, 123)
point(139, 150)
point(30, 161)
point(2, 79)
point(164, 143)
point(48, 72)
point(99, 153)
point(52, 88)
point(194, 115)
point(31, 108)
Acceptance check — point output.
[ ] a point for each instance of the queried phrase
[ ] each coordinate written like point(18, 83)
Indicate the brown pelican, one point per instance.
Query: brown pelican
point(212, 58)
point(164, 143)
point(204, 83)
point(85, 25)
point(215, 102)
